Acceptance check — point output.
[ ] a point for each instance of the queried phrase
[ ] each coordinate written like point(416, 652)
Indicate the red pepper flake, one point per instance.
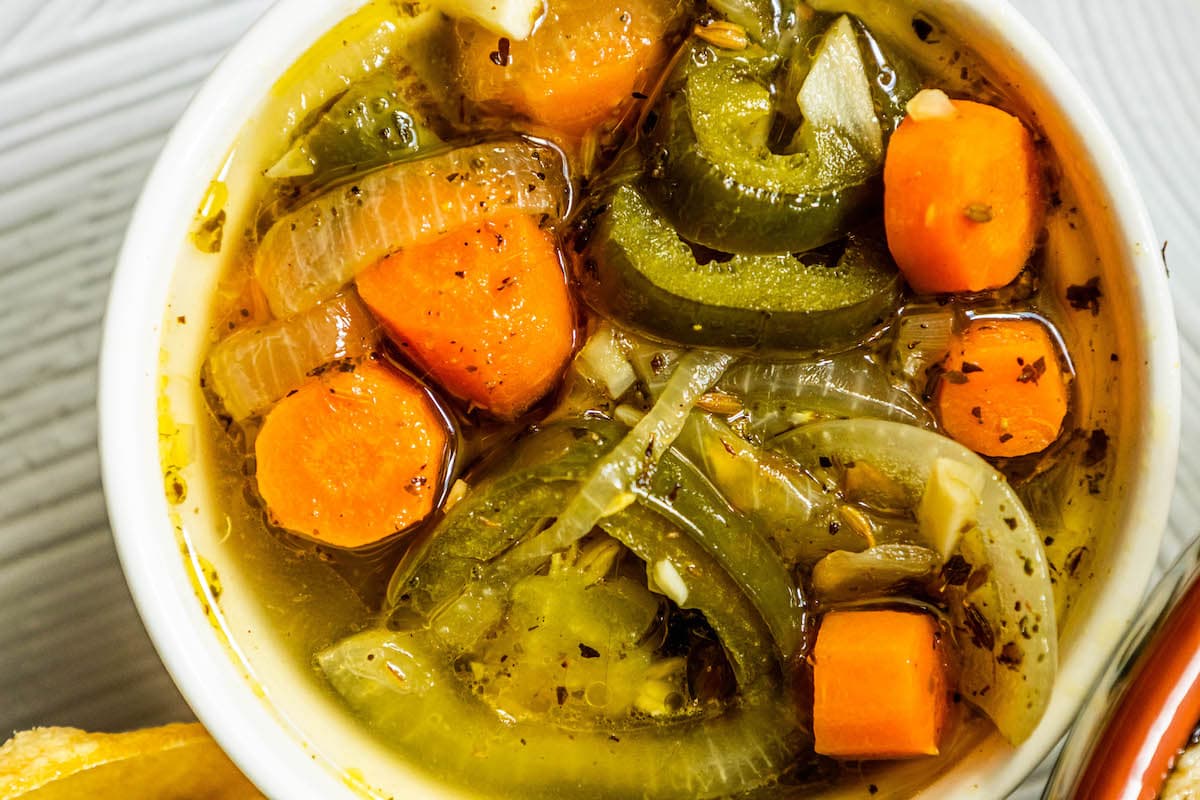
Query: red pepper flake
point(1005, 437)
point(977, 413)
point(968, 368)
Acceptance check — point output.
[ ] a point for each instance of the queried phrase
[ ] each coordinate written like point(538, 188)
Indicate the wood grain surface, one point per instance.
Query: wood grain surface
point(88, 91)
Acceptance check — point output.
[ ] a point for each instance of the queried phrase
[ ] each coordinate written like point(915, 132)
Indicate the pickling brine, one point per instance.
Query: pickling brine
point(661, 400)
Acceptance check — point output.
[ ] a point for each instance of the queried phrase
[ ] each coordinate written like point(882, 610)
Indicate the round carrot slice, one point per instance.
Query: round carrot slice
point(963, 199)
point(1003, 392)
point(352, 457)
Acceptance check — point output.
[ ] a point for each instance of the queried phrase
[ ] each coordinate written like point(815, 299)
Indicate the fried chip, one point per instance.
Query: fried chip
point(174, 762)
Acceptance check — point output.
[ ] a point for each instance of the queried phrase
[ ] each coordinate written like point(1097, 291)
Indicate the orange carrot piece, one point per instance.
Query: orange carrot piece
point(485, 310)
point(352, 457)
point(879, 685)
point(580, 67)
point(963, 200)
point(1004, 392)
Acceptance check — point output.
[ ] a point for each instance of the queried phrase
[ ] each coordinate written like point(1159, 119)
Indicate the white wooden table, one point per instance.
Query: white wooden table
point(88, 91)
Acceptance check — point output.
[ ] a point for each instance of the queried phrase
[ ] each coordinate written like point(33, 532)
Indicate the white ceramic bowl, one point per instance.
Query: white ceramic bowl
point(256, 705)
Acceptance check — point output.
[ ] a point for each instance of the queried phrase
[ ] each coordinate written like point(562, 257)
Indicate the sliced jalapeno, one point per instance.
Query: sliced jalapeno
point(715, 172)
point(640, 271)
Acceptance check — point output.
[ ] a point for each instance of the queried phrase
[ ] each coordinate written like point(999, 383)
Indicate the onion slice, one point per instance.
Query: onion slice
point(610, 486)
point(254, 368)
point(1003, 617)
point(922, 340)
point(313, 252)
point(780, 396)
point(757, 482)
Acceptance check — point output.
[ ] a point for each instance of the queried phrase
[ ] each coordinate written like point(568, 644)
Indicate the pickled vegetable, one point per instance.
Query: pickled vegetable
point(533, 665)
point(351, 458)
point(504, 341)
point(492, 539)
point(779, 396)
point(614, 479)
point(402, 685)
point(578, 70)
point(640, 271)
point(710, 590)
point(519, 492)
point(377, 121)
point(880, 685)
point(711, 166)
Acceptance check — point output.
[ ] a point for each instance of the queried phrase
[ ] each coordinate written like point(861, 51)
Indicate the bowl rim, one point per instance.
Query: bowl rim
point(255, 736)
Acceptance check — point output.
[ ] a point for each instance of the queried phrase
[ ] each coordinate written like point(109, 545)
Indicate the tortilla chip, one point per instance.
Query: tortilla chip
point(174, 762)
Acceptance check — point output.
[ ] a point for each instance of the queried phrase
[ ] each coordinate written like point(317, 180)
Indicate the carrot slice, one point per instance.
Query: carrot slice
point(963, 199)
point(580, 67)
point(879, 685)
point(1004, 392)
point(485, 310)
point(352, 457)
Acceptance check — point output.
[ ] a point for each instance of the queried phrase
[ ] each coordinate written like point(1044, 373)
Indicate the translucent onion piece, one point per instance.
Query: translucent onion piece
point(939, 55)
point(845, 575)
point(603, 360)
point(756, 482)
point(254, 368)
point(836, 94)
point(512, 18)
point(314, 251)
point(1006, 628)
point(610, 486)
point(653, 363)
point(780, 396)
point(922, 340)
